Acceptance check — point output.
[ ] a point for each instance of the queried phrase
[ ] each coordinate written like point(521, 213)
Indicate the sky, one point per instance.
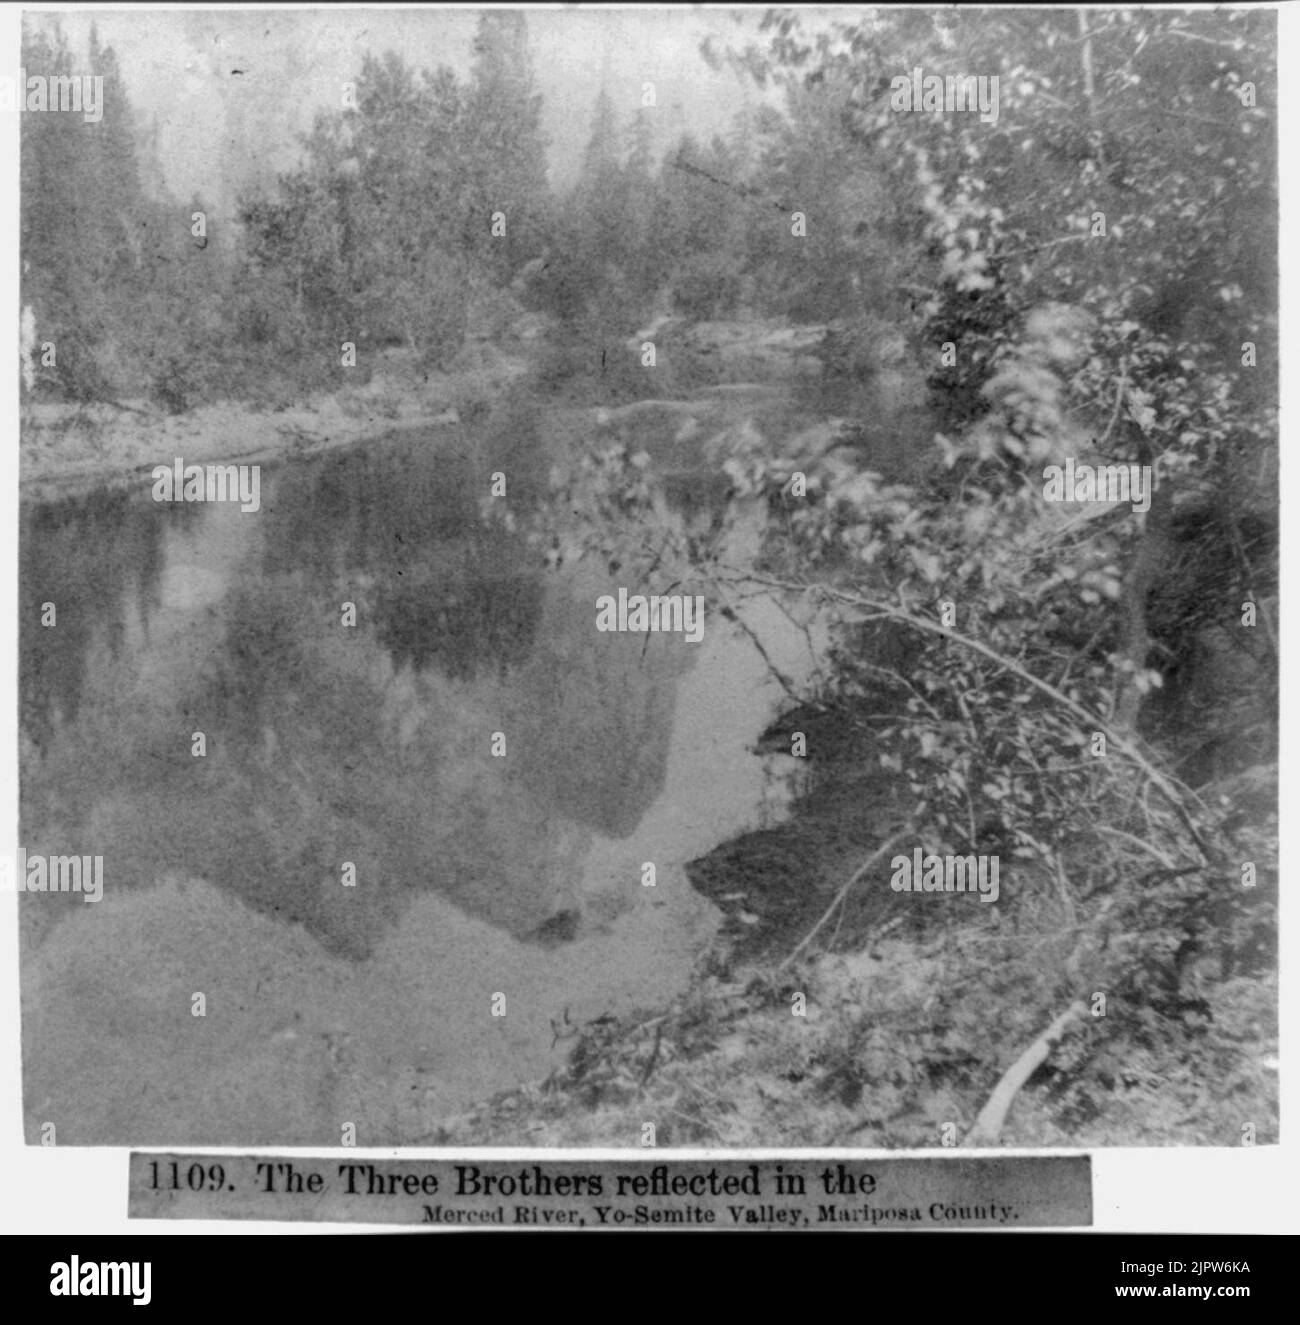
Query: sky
point(221, 133)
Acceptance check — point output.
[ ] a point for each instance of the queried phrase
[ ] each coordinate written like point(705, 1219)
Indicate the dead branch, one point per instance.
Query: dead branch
point(654, 1054)
point(1119, 401)
point(876, 856)
point(988, 1126)
point(778, 675)
point(1039, 248)
point(1063, 888)
point(1163, 857)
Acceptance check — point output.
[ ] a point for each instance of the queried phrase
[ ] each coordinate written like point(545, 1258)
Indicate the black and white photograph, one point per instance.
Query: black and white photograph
point(648, 578)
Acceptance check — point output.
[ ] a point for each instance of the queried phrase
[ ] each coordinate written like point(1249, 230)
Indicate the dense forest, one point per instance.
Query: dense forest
point(1088, 691)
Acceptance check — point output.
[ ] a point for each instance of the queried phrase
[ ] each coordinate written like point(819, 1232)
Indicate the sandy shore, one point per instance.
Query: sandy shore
point(67, 449)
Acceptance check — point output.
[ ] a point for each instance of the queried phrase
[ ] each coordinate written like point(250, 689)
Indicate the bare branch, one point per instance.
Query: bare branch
point(1168, 786)
point(1119, 400)
point(876, 856)
point(992, 1117)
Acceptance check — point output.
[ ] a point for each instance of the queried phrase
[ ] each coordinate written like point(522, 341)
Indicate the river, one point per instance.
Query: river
point(340, 908)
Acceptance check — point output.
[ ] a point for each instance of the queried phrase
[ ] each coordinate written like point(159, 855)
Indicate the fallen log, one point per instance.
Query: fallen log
point(988, 1126)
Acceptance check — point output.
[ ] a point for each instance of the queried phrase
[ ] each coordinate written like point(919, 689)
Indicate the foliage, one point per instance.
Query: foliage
point(1082, 277)
point(1034, 632)
point(385, 235)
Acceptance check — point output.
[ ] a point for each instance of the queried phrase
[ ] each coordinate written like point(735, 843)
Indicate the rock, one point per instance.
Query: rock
point(532, 327)
point(769, 351)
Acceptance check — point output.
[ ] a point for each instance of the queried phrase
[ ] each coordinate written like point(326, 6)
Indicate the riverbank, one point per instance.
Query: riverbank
point(708, 371)
point(831, 1011)
point(67, 449)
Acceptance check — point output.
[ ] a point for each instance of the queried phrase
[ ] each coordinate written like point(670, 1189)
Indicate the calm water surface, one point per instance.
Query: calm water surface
point(372, 745)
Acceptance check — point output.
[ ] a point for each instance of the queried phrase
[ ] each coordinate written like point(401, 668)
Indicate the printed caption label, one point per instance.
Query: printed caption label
point(927, 1193)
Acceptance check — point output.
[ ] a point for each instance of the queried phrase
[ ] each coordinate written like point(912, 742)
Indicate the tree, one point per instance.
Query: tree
point(505, 145)
point(82, 215)
point(1083, 274)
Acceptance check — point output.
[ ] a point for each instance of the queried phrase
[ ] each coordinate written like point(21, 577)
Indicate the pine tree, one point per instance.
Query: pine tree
point(506, 149)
